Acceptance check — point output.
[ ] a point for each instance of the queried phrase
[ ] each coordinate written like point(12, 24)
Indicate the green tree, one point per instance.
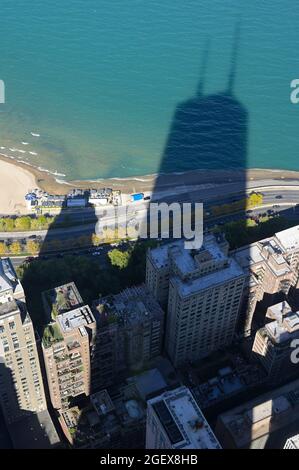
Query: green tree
point(9, 224)
point(42, 222)
point(23, 223)
point(32, 247)
point(15, 248)
point(3, 248)
point(119, 259)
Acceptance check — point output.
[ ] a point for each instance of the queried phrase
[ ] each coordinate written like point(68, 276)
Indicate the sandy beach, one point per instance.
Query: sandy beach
point(14, 184)
point(17, 178)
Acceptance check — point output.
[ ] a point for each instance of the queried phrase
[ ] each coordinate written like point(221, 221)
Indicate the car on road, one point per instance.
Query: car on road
point(278, 197)
point(276, 206)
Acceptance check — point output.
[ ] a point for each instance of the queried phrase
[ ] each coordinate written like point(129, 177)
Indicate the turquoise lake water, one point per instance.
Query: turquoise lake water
point(99, 80)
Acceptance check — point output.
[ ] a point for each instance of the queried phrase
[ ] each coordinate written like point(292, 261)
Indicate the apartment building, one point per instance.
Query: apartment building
point(272, 267)
point(21, 386)
point(67, 345)
point(272, 344)
point(174, 421)
point(204, 289)
point(130, 332)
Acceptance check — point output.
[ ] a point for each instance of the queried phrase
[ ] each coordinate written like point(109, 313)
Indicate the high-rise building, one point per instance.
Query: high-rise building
point(21, 385)
point(204, 290)
point(273, 343)
point(129, 334)
point(272, 266)
point(174, 421)
point(22, 396)
point(67, 345)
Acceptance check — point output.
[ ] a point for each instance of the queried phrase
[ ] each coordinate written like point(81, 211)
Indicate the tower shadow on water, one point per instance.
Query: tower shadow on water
point(208, 132)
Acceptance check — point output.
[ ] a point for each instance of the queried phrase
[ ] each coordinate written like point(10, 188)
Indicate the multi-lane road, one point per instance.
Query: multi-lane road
point(282, 194)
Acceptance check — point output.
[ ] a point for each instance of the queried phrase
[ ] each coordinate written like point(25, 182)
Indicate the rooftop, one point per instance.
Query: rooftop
point(289, 239)
point(36, 431)
point(284, 329)
point(9, 308)
point(250, 421)
point(183, 421)
point(61, 299)
point(51, 335)
point(188, 261)
point(77, 318)
point(8, 278)
point(226, 274)
point(130, 307)
point(149, 383)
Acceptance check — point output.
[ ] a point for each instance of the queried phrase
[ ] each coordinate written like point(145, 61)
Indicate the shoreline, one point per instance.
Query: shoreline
point(17, 181)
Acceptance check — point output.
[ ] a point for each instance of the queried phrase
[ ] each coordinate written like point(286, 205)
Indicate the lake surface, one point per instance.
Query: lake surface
point(99, 80)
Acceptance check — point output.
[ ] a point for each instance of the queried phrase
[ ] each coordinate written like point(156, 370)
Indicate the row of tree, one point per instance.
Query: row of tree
point(253, 200)
point(23, 223)
point(247, 231)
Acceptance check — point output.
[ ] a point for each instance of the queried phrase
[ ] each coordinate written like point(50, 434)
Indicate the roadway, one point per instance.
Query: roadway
point(210, 193)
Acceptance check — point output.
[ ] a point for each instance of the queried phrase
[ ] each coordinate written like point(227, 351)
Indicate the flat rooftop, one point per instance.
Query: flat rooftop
point(284, 330)
point(9, 308)
point(74, 319)
point(226, 274)
point(183, 420)
point(36, 431)
point(289, 238)
point(250, 421)
point(188, 261)
point(160, 254)
point(129, 307)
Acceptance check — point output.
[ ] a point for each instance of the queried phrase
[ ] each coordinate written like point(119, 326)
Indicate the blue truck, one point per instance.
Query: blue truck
point(137, 197)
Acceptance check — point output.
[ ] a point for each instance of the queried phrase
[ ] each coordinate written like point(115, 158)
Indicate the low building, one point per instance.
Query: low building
point(100, 197)
point(111, 420)
point(174, 421)
point(227, 383)
point(261, 423)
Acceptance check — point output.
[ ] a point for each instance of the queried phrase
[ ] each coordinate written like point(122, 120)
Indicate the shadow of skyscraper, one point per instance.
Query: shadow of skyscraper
point(208, 132)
